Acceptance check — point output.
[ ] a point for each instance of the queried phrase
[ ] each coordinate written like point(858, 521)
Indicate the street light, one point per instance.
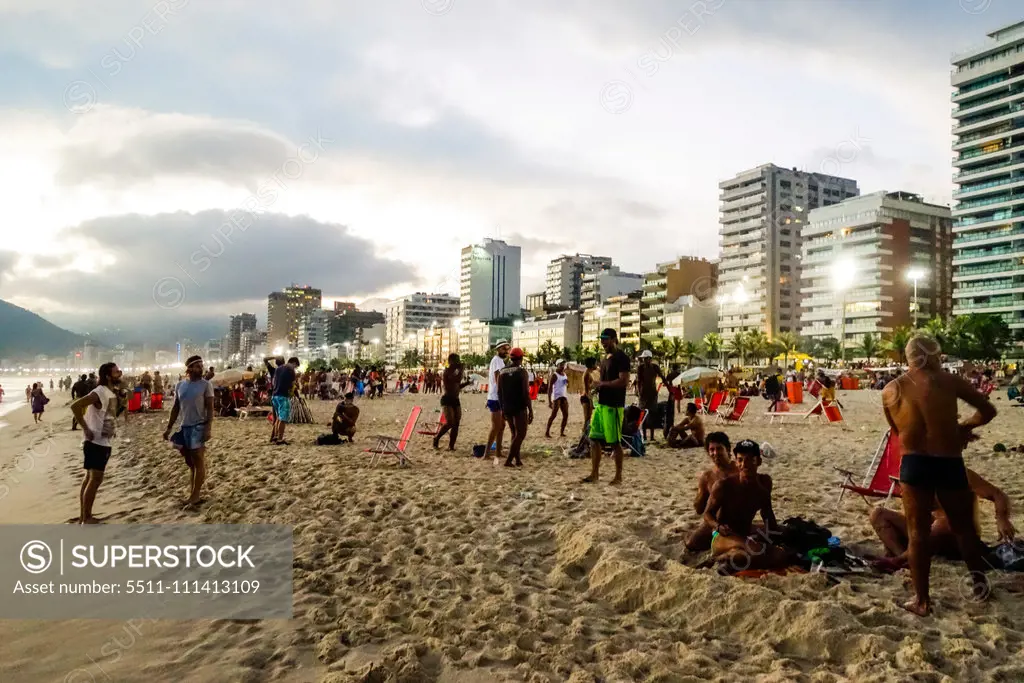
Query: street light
point(843, 272)
point(915, 274)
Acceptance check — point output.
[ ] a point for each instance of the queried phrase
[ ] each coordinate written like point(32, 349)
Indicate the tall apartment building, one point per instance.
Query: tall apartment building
point(600, 285)
point(860, 260)
point(479, 337)
point(345, 326)
point(251, 340)
point(564, 283)
point(420, 311)
point(237, 324)
point(690, 319)
point(689, 276)
point(285, 310)
point(314, 334)
point(536, 304)
point(490, 281)
point(988, 116)
point(620, 313)
point(763, 210)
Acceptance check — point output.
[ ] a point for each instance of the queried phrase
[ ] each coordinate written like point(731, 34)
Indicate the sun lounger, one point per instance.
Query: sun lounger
point(434, 428)
point(738, 408)
point(390, 445)
point(882, 477)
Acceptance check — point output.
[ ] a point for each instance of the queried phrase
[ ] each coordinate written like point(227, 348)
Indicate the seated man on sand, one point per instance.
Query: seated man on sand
point(718, 446)
point(734, 500)
point(891, 526)
point(690, 432)
point(343, 424)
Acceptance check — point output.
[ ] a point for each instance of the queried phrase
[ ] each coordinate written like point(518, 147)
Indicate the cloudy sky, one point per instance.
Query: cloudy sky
point(171, 161)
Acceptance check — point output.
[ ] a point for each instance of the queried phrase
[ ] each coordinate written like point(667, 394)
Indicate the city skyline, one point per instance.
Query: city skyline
point(617, 113)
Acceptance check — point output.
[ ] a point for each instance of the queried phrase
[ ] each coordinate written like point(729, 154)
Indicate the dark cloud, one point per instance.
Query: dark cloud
point(188, 267)
point(7, 261)
point(220, 152)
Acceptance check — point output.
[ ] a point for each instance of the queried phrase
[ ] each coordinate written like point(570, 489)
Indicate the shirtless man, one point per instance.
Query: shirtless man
point(690, 432)
point(891, 526)
point(921, 408)
point(722, 466)
point(647, 375)
point(453, 381)
point(516, 406)
point(346, 413)
point(730, 513)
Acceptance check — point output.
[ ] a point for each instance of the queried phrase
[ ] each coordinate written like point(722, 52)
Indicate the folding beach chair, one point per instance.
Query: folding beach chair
point(738, 408)
point(635, 442)
point(713, 404)
point(833, 412)
point(817, 411)
point(435, 428)
point(882, 479)
point(390, 445)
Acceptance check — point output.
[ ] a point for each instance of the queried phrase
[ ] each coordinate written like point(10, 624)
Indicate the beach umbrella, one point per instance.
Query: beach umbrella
point(226, 378)
point(695, 375)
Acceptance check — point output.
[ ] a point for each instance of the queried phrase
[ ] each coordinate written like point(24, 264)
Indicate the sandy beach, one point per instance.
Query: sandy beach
point(455, 570)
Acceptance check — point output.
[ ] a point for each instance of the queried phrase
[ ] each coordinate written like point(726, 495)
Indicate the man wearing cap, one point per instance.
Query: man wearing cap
point(606, 422)
point(193, 400)
point(732, 505)
point(516, 406)
point(493, 404)
point(647, 376)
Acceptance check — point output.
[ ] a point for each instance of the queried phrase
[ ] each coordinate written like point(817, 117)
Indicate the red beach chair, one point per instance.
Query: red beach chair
point(390, 445)
point(441, 422)
point(738, 408)
point(882, 479)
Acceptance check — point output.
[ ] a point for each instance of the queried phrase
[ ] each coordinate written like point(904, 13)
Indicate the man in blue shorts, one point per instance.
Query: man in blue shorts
point(606, 422)
point(193, 401)
point(493, 404)
point(281, 399)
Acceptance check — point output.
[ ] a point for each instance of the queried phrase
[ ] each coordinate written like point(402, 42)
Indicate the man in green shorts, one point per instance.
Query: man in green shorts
point(606, 422)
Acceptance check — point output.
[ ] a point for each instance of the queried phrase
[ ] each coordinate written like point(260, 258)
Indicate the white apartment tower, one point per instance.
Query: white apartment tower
point(763, 210)
point(404, 316)
point(564, 282)
point(988, 161)
point(489, 284)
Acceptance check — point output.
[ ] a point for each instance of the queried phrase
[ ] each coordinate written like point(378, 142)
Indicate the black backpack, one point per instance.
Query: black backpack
point(801, 535)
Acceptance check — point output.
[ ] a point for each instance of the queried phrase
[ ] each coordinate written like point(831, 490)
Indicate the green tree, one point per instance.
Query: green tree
point(712, 344)
point(937, 330)
point(758, 346)
point(789, 343)
point(548, 353)
point(318, 364)
point(689, 350)
point(411, 359)
point(738, 347)
point(869, 346)
point(896, 343)
point(990, 336)
point(629, 349)
point(829, 349)
point(666, 350)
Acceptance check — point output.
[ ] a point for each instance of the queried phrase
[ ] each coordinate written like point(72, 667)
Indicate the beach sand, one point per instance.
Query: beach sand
point(454, 570)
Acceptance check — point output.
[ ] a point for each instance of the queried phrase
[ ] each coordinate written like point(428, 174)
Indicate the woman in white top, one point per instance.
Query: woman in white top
point(558, 399)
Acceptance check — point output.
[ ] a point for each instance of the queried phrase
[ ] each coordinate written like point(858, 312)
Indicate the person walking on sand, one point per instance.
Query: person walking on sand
point(493, 404)
point(39, 402)
point(921, 408)
point(193, 401)
point(606, 420)
point(453, 381)
point(516, 406)
point(558, 397)
point(96, 412)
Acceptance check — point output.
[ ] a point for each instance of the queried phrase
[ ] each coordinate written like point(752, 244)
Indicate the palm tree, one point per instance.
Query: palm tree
point(629, 349)
point(712, 344)
point(738, 347)
point(869, 346)
point(548, 352)
point(990, 336)
point(666, 350)
point(937, 329)
point(897, 342)
point(679, 349)
point(829, 349)
point(689, 350)
point(412, 359)
point(757, 345)
point(789, 343)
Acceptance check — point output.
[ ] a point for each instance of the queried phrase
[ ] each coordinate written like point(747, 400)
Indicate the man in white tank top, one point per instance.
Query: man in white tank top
point(96, 412)
point(558, 397)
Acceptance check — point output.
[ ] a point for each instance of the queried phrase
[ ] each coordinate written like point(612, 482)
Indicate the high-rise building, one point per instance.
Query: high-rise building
point(690, 319)
point(236, 326)
point(418, 311)
point(285, 310)
point(599, 285)
point(345, 326)
point(489, 284)
point(212, 352)
point(620, 313)
point(536, 304)
point(689, 276)
point(564, 283)
point(863, 259)
point(763, 210)
point(988, 157)
point(314, 330)
point(344, 306)
point(479, 337)
point(561, 328)
point(251, 340)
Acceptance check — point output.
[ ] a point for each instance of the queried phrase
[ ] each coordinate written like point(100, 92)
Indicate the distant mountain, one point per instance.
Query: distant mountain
point(23, 334)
